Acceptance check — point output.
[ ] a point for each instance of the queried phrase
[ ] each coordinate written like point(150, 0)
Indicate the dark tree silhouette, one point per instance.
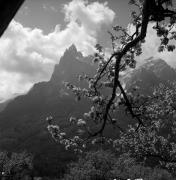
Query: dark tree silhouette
point(8, 9)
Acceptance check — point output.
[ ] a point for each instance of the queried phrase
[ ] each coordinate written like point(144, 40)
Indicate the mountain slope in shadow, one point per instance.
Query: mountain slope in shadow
point(22, 122)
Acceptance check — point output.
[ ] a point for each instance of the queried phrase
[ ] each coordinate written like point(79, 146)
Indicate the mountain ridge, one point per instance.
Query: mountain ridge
point(22, 122)
point(153, 72)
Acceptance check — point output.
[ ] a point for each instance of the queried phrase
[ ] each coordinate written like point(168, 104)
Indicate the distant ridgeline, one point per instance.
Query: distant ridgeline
point(22, 122)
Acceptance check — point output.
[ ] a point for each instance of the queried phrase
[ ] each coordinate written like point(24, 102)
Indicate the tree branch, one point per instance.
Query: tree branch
point(146, 12)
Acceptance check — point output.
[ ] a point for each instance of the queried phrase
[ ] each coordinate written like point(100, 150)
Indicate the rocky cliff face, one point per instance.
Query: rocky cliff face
point(22, 123)
point(150, 75)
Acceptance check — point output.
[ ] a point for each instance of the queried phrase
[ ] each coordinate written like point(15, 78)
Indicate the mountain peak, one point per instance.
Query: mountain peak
point(72, 48)
point(155, 62)
point(71, 64)
point(161, 69)
point(72, 51)
point(70, 55)
point(150, 74)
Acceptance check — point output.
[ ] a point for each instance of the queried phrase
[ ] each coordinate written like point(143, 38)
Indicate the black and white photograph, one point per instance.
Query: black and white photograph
point(87, 89)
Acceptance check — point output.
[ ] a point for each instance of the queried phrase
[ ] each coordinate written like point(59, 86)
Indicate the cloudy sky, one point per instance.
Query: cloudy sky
point(42, 30)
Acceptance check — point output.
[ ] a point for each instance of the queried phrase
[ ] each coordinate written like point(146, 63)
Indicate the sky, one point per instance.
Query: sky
point(42, 29)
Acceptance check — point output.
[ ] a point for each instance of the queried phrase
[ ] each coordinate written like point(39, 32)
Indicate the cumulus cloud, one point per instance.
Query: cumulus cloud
point(28, 55)
point(91, 16)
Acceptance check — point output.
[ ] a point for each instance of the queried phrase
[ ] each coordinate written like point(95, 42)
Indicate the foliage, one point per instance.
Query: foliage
point(104, 165)
point(3, 161)
point(127, 167)
point(154, 144)
point(15, 164)
point(95, 165)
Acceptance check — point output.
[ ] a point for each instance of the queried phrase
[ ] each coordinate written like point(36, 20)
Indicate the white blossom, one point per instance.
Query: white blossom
point(81, 122)
point(72, 119)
